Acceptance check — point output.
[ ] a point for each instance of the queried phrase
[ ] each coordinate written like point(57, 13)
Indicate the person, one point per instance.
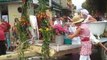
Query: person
point(87, 17)
point(94, 40)
point(14, 29)
point(58, 20)
point(4, 27)
point(15, 37)
point(83, 32)
point(31, 33)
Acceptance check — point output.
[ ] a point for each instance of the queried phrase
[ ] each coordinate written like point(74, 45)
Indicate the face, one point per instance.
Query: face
point(77, 24)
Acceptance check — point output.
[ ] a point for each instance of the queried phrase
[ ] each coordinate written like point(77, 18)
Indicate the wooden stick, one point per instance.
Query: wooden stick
point(30, 52)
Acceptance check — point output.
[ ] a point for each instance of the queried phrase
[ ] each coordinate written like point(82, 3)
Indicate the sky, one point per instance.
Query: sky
point(78, 3)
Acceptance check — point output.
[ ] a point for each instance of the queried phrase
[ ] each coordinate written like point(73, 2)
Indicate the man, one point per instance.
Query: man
point(4, 27)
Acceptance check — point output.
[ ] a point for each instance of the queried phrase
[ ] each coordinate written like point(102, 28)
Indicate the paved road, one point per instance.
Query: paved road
point(96, 55)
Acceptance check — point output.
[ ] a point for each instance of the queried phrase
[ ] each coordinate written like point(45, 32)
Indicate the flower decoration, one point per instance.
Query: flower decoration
point(46, 32)
point(44, 28)
point(59, 29)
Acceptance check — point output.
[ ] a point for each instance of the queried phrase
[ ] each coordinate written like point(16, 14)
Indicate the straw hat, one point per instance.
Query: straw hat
point(77, 19)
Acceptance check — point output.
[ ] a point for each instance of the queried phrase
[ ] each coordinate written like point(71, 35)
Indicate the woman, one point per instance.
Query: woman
point(31, 33)
point(83, 32)
point(87, 17)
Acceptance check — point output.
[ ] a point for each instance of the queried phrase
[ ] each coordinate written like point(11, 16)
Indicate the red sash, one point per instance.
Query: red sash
point(85, 39)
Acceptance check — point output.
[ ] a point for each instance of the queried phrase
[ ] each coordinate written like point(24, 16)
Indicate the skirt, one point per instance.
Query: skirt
point(86, 48)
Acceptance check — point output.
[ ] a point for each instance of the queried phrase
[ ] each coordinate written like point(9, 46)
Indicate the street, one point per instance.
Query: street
point(96, 55)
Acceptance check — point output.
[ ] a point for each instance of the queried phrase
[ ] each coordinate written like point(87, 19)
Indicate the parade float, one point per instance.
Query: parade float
point(45, 49)
point(55, 50)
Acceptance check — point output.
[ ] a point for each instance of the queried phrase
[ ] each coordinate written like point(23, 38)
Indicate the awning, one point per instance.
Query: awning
point(9, 1)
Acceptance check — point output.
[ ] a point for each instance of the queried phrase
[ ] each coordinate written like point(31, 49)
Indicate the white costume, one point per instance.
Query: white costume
point(93, 39)
point(58, 22)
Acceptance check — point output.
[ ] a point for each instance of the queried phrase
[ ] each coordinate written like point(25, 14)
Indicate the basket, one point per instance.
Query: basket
point(67, 41)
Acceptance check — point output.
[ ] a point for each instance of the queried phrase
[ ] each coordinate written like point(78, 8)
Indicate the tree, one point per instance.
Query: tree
point(95, 5)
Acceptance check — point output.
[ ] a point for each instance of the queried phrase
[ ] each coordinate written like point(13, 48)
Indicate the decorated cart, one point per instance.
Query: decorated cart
point(96, 28)
point(46, 49)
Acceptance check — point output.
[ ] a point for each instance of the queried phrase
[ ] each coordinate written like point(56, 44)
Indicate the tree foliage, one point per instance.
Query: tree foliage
point(95, 5)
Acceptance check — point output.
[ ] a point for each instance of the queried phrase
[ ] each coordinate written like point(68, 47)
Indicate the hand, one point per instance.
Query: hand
point(69, 36)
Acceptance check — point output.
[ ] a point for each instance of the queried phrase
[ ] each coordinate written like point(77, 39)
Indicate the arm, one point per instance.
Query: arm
point(91, 19)
point(93, 39)
point(75, 34)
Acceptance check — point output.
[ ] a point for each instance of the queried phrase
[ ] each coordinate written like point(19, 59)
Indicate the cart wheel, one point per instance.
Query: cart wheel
point(104, 53)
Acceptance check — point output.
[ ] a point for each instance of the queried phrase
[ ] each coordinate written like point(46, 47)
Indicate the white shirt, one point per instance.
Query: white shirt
point(58, 22)
point(32, 32)
point(93, 39)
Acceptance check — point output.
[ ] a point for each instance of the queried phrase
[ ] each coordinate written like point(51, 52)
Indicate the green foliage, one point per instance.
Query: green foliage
point(47, 35)
point(42, 6)
point(22, 32)
point(23, 41)
point(95, 5)
point(45, 23)
point(45, 30)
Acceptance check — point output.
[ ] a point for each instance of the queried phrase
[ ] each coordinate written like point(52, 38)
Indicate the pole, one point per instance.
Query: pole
point(50, 3)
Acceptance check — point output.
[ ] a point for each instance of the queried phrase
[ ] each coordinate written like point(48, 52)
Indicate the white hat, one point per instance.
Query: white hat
point(84, 11)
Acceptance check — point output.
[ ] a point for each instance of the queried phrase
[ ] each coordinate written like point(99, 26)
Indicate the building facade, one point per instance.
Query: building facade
point(66, 6)
point(8, 10)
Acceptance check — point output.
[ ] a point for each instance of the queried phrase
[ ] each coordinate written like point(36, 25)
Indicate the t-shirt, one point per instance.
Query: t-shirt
point(57, 22)
point(2, 34)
